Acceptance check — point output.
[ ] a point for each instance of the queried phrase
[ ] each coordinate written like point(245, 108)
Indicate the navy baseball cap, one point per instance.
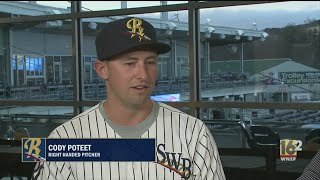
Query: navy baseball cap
point(127, 34)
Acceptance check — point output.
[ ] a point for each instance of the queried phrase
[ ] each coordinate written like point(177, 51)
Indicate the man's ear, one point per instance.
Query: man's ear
point(101, 69)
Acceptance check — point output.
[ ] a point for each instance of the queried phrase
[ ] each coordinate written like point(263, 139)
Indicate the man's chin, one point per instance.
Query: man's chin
point(141, 100)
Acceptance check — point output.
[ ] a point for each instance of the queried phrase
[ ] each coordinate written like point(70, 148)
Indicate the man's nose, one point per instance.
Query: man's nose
point(141, 71)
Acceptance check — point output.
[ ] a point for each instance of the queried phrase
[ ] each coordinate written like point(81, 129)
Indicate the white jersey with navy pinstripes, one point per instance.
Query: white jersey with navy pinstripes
point(312, 170)
point(185, 149)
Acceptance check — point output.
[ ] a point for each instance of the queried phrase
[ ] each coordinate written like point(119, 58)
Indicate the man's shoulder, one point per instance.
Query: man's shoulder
point(177, 111)
point(88, 111)
point(75, 120)
point(170, 108)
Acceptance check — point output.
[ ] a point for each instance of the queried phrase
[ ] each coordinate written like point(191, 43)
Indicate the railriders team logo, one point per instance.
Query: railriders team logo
point(135, 25)
point(33, 149)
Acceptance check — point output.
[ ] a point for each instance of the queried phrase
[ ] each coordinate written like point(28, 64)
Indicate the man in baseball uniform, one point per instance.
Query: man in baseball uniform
point(127, 51)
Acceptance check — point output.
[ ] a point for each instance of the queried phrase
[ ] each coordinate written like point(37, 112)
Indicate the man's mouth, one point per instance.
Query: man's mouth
point(140, 87)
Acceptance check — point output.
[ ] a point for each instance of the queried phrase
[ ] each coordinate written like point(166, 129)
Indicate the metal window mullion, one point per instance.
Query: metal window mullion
point(130, 11)
point(76, 56)
point(206, 104)
point(194, 41)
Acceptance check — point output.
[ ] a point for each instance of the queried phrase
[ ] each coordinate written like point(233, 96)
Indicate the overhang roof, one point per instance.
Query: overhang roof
point(216, 35)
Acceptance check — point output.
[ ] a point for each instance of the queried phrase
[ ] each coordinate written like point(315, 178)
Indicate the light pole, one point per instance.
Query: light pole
point(241, 59)
point(282, 89)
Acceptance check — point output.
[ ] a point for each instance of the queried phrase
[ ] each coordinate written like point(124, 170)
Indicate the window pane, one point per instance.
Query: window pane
point(29, 74)
point(33, 8)
point(176, 2)
point(110, 5)
point(40, 66)
point(100, 5)
point(38, 121)
point(66, 69)
point(287, 123)
point(173, 84)
point(247, 57)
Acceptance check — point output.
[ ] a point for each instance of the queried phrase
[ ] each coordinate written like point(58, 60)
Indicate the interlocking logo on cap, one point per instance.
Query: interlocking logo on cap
point(135, 25)
point(130, 33)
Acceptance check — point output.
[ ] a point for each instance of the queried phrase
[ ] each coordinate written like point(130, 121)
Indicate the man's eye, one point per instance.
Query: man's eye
point(151, 62)
point(130, 64)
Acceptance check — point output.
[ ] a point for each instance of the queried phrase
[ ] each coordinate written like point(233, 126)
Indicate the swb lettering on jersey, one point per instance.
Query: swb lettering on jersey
point(174, 161)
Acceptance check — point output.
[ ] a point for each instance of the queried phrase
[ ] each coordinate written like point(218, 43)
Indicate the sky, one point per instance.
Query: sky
point(268, 15)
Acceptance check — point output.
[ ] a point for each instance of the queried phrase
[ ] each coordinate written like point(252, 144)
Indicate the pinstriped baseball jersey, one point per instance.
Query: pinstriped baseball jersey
point(312, 170)
point(185, 148)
